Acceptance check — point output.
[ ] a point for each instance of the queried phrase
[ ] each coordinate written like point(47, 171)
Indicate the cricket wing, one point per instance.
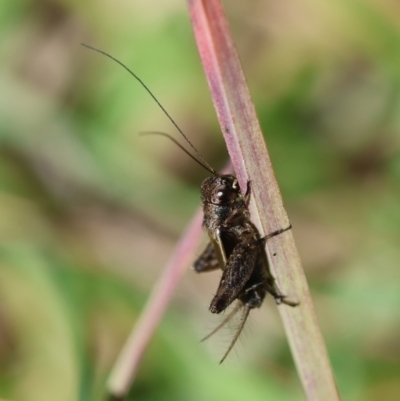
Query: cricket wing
point(237, 272)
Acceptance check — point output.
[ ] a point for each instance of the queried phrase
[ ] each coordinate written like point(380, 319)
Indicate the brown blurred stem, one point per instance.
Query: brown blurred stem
point(125, 368)
point(251, 161)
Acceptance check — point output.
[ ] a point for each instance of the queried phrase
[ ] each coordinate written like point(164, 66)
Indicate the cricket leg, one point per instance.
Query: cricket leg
point(277, 232)
point(269, 280)
point(207, 261)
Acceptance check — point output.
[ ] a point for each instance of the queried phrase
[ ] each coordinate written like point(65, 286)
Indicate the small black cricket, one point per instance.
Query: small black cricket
point(235, 247)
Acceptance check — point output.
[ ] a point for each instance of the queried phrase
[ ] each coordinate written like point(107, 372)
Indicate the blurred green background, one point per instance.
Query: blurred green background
point(90, 211)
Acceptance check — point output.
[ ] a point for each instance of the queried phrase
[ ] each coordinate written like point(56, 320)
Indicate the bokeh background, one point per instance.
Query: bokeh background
point(90, 211)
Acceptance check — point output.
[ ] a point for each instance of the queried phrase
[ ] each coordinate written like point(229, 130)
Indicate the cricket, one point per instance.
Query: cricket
point(236, 246)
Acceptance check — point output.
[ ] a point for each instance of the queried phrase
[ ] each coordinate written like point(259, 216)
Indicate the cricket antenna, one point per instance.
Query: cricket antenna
point(204, 162)
point(205, 166)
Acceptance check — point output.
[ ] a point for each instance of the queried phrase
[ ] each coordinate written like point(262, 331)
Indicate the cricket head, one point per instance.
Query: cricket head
point(221, 190)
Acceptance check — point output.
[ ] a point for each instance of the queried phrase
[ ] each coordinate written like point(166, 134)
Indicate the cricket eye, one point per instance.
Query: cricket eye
point(223, 194)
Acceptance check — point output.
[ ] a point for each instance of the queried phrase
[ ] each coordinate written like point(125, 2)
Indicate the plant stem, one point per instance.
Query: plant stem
point(251, 161)
point(126, 366)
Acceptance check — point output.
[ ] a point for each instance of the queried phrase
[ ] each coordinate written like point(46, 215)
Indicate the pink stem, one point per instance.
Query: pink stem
point(251, 161)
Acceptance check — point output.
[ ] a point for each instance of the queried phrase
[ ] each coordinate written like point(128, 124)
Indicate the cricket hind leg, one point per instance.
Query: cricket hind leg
point(282, 299)
point(270, 284)
point(271, 287)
